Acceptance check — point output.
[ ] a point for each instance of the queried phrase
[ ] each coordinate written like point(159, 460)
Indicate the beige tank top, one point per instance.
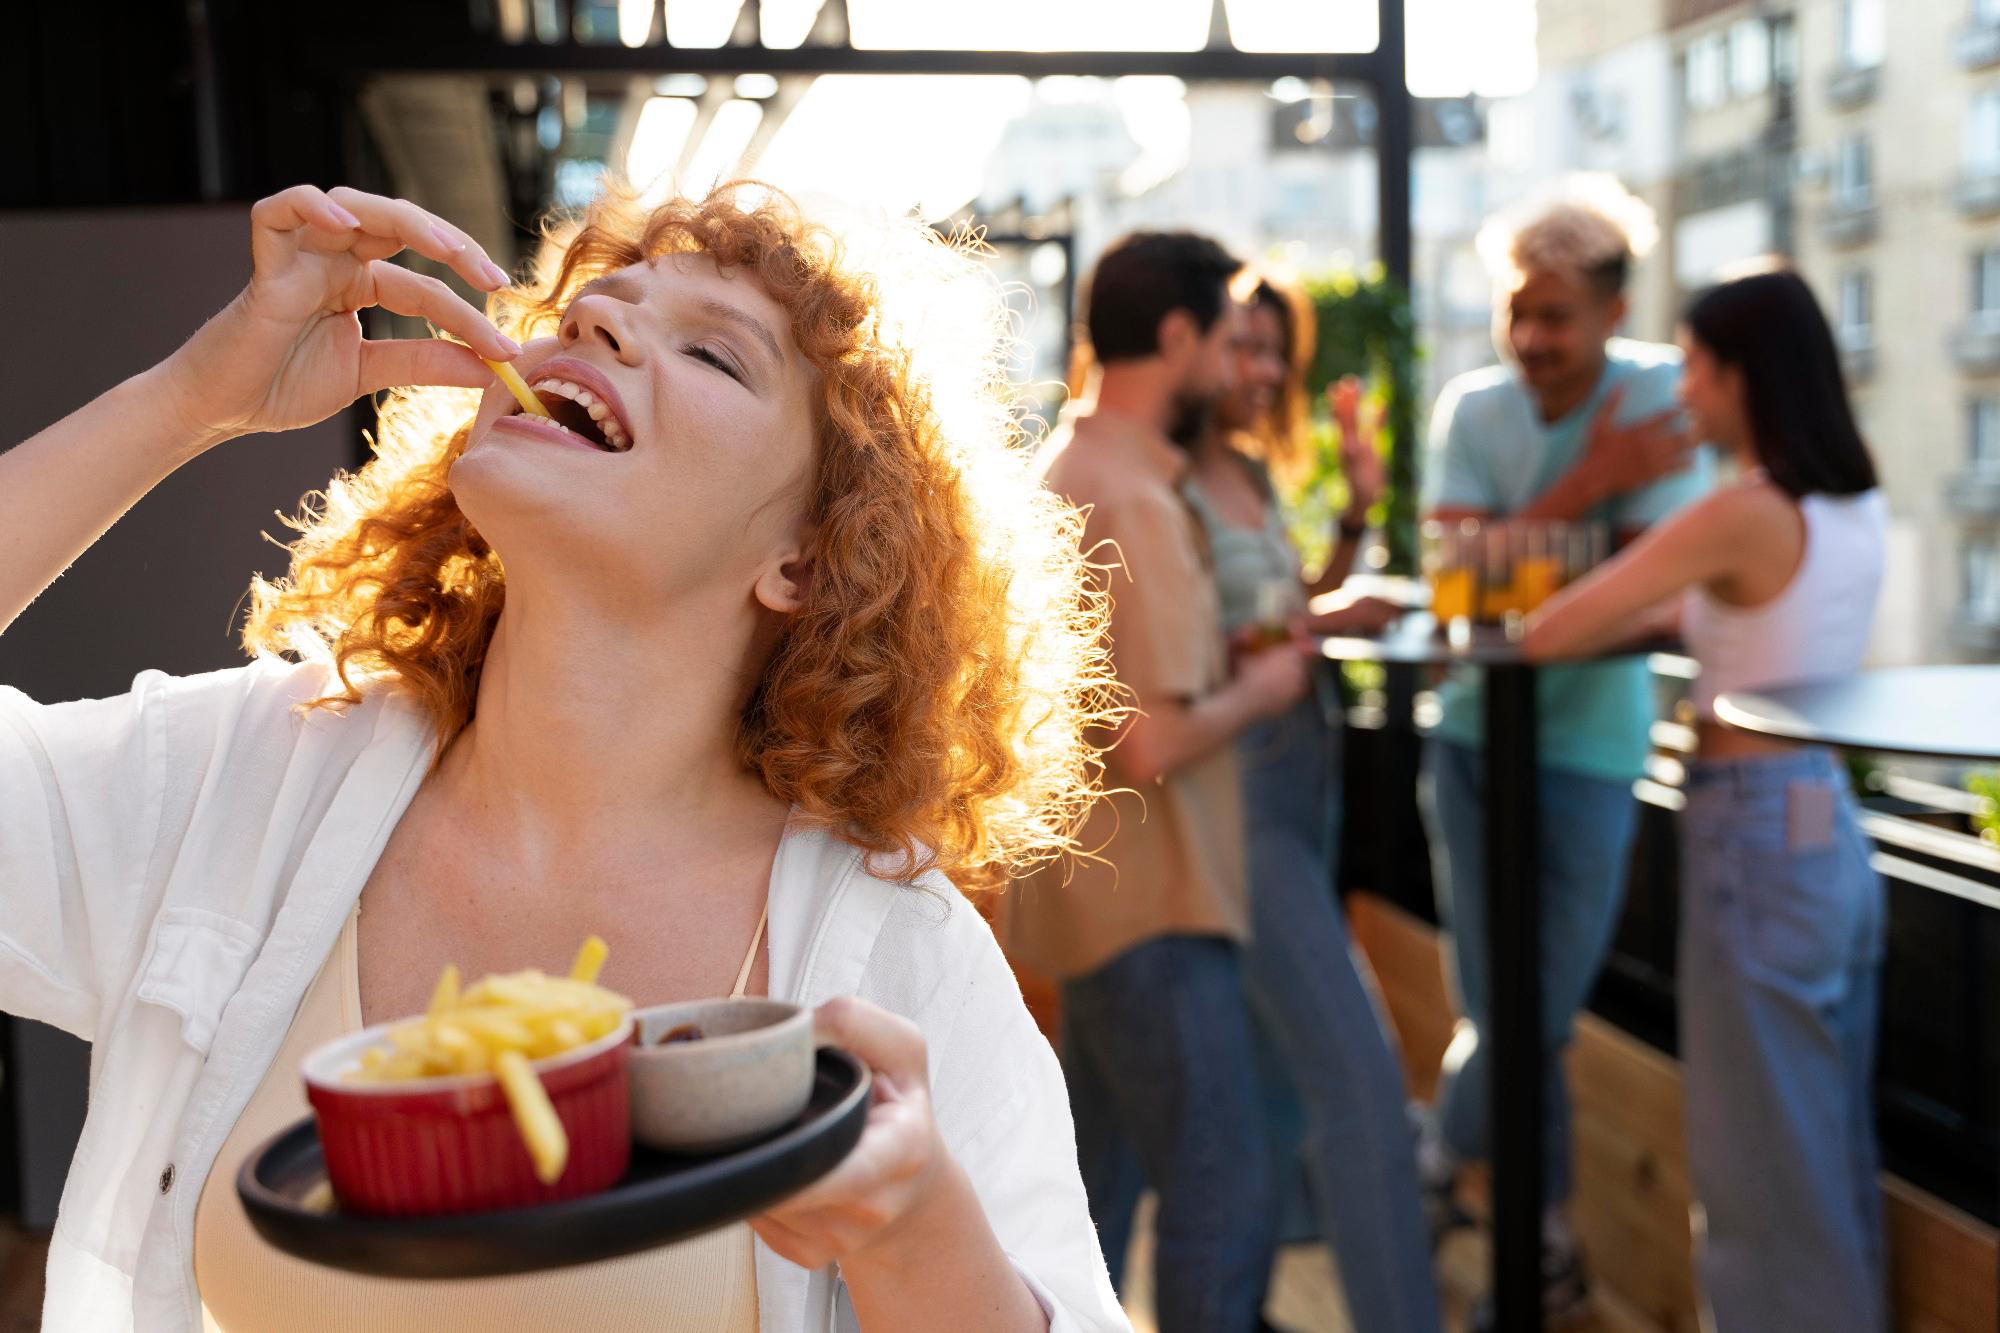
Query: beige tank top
point(704, 1285)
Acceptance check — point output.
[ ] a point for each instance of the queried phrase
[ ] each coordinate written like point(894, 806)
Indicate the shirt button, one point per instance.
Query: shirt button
point(167, 1178)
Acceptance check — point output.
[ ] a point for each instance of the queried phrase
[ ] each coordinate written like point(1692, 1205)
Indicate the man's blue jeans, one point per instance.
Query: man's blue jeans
point(1782, 921)
point(1156, 1050)
point(1587, 826)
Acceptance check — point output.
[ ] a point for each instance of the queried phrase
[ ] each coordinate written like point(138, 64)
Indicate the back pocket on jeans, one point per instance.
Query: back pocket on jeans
point(1802, 912)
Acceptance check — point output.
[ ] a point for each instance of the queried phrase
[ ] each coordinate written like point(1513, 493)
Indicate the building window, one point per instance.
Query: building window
point(1785, 50)
point(1857, 309)
point(1749, 58)
point(1862, 35)
point(1982, 134)
point(1707, 72)
point(1982, 432)
point(1854, 173)
point(1986, 285)
point(1982, 581)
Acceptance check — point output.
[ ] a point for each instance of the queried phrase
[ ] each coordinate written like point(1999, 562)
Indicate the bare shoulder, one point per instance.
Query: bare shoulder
point(1758, 502)
point(1745, 508)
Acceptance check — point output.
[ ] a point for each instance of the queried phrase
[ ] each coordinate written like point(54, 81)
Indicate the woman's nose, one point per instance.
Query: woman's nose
point(600, 320)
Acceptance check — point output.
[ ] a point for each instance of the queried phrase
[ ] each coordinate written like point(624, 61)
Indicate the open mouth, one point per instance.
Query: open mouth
point(576, 409)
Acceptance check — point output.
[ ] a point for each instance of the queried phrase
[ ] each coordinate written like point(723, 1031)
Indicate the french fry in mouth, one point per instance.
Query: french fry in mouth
point(517, 386)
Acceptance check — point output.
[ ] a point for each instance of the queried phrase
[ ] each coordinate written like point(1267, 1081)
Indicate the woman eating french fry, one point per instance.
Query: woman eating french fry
point(746, 650)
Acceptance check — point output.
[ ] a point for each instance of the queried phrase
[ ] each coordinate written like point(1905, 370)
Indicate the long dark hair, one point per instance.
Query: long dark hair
point(1770, 328)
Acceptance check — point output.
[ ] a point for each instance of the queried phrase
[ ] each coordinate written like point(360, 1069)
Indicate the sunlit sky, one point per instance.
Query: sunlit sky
point(856, 137)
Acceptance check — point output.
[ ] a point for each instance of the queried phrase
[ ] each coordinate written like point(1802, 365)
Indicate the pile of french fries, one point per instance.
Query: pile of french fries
point(497, 1025)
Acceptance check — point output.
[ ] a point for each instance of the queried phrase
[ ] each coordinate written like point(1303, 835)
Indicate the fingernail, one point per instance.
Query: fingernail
point(446, 236)
point(513, 348)
point(495, 274)
point(342, 216)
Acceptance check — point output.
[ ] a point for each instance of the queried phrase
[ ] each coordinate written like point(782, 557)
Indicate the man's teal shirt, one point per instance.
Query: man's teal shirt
point(1490, 450)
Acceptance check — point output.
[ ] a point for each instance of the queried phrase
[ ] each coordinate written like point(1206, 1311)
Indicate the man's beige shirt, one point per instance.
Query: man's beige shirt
point(1169, 857)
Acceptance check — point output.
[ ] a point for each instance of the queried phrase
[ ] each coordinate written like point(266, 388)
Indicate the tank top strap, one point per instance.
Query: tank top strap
point(750, 959)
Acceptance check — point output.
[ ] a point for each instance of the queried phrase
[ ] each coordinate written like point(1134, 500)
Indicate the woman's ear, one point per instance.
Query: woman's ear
point(782, 587)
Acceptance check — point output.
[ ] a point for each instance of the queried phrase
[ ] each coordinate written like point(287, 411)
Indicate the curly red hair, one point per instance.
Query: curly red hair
point(934, 700)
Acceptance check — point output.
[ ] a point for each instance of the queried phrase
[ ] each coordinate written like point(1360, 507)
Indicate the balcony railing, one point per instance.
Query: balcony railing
point(1849, 86)
point(1976, 44)
point(1976, 344)
point(1974, 492)
point(1850, 219)
point(1977, 193)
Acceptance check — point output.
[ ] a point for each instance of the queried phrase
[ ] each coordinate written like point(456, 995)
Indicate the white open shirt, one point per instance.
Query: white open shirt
point(176, 863)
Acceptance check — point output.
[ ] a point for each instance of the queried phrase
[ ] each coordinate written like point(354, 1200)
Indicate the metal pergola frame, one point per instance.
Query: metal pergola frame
point(611, 68)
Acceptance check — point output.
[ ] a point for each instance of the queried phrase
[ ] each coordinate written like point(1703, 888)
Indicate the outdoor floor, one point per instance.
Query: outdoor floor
point(1305, 1297)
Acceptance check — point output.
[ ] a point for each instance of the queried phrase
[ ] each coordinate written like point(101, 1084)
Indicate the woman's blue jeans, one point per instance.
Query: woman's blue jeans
point(1782, 921)
point(1315, 1007)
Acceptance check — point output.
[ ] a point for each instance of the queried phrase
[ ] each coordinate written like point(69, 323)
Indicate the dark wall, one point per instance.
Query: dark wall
point(99, 296)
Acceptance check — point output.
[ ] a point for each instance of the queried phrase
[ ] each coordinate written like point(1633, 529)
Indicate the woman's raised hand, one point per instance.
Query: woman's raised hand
point(1358, 427)
point(288, 350)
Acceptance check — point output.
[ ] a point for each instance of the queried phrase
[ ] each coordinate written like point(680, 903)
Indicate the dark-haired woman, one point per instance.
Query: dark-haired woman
point(1774, 579)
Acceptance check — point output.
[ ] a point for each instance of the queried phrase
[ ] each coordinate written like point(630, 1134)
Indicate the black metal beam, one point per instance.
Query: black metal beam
point(618, 63)
point(1395, 139)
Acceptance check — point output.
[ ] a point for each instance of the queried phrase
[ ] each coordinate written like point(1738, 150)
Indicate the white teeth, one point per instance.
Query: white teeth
point(600, 412)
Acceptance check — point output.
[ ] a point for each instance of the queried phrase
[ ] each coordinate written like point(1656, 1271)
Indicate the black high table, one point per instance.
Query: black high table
point(1942, 712)
point(1514, 945)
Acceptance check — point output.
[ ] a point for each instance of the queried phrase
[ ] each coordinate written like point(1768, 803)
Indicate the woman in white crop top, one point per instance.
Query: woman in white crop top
point(1771, 579)
point(768, 623)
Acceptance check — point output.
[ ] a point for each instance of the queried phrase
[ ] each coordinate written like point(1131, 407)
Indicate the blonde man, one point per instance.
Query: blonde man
point(1577, 424)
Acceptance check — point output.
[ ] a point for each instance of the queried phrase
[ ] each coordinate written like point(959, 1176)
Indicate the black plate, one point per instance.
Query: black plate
point(661, 1199)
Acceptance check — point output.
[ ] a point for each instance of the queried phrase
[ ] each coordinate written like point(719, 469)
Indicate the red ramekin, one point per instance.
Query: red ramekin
point(425, 1147)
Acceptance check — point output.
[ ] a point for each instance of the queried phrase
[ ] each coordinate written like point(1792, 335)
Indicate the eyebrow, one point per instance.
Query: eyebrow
point(619, 285)
point(749, 323)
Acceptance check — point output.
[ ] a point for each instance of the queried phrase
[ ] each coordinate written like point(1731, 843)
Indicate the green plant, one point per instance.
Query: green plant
point(1985, 784)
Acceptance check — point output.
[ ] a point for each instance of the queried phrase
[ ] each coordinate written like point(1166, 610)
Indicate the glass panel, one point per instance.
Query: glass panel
point(1983, 428)
point(1785, 50)
point(700, 22)
point(1463, 47)
point(656, 144)
point(1982, 581)
point(1982, 134)
point(1855, 303)
point(1862, 35)
point(1986, 282)
point(1350, 25)
point(1854, 171)
point(722, 148)
point(942, 156)
point(1749, 58)
point(1031, 25)
point(1706, 72)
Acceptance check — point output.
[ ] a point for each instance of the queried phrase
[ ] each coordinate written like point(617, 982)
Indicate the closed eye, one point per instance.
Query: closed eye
point(701, 353)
